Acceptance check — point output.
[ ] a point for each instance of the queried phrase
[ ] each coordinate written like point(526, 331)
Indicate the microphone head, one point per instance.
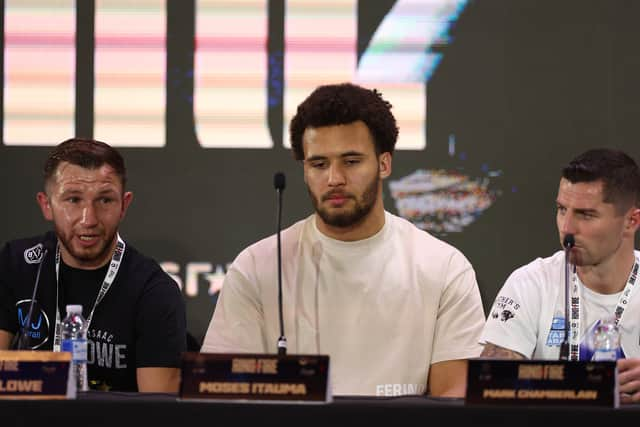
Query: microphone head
point(569, 241)
point(279, 181)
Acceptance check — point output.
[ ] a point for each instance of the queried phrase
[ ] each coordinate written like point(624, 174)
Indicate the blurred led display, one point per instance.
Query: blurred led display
point(39, 71)
point(230, 71)
point(130, 70)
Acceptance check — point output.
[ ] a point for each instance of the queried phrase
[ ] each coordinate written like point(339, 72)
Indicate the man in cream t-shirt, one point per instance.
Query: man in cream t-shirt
point(397, 310)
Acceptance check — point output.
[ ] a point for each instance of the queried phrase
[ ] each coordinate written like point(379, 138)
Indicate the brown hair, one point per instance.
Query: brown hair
point(86, 153)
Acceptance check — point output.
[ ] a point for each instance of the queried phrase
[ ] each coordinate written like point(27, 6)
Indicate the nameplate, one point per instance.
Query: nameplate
point(542, 382)
point(35, 375)
point(255, 377)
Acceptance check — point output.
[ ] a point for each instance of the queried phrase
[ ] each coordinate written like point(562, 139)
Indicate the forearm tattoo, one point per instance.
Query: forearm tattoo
point(492, 351)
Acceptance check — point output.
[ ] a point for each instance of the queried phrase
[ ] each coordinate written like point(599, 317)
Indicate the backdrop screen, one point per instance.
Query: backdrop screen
point(492, 98)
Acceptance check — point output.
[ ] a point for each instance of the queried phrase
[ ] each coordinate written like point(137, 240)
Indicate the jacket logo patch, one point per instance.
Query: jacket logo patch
point(33, 255)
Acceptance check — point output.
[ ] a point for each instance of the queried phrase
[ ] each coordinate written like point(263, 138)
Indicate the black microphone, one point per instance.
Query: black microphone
point(568, 242)
point(20, 339)
point(279, 182)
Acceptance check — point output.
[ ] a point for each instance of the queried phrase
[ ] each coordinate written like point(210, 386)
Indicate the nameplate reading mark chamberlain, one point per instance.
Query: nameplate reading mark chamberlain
point(251, 377)
point(542, 382)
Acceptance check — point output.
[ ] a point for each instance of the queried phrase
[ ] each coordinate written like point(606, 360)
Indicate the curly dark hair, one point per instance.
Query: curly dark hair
point(345, 103)
point(86, 153)
point(618, 172)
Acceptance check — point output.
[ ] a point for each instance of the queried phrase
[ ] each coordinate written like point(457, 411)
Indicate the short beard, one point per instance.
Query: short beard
point(86, 258)
point(363, 207)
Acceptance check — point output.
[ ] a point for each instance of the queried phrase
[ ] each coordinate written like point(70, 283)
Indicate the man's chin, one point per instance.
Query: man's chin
point(91, 257)
point(576, 260)
point(345, 220)
point(340, 223)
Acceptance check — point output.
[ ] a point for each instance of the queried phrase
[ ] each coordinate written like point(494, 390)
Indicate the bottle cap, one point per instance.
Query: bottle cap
point(74, 308)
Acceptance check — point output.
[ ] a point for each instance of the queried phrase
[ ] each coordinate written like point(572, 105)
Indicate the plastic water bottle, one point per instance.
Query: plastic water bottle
point(74, 340)
point(605, 340)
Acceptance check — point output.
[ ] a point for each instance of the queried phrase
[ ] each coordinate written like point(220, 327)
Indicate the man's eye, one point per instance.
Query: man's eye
point(73, 199)
point(318, 165)
point(106, 200)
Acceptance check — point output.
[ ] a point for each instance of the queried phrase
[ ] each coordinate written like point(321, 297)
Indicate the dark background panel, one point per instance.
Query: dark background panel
point(523, 87)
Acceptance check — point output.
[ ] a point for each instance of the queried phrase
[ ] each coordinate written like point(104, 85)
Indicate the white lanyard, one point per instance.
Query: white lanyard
point(576, 311)
point(114, 265)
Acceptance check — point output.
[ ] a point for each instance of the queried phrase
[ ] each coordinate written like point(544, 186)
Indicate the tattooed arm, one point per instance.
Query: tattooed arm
point(492, 351)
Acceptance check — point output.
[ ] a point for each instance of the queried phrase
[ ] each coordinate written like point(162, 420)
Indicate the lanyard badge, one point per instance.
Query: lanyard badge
point(114, 265)
point(576, 310)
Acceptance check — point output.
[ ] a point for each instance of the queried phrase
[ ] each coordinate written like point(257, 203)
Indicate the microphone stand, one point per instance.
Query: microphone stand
point(568, 243)
point(279, 184)
point(21, 341)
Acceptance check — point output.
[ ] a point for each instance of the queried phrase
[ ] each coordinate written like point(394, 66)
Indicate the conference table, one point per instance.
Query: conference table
point(156, 410)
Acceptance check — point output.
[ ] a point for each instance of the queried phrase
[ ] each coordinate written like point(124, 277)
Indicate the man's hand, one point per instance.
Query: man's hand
point(5, 340)
point(629, 380)
point(158, 380)
point(448, 379)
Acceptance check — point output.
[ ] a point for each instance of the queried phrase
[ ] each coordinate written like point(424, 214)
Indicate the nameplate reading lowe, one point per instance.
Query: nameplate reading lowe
point(255, 377)
point(542, 382)
point(34, 375)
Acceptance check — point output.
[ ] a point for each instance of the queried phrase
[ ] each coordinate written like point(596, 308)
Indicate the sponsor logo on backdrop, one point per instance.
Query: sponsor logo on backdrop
point(442, 201)
point(192, 277)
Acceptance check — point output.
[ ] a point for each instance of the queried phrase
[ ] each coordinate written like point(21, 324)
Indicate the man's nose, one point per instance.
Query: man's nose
point(89, 216)
point(567, 224)
point(336, 175)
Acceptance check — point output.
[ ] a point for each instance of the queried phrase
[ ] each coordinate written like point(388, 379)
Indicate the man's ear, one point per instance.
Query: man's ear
point(384, 162)
point(45, 205)
point(127, 198)
point(633, 219)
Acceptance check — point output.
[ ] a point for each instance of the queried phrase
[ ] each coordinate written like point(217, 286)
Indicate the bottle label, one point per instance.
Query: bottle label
point(602, 355)
point(77, 348)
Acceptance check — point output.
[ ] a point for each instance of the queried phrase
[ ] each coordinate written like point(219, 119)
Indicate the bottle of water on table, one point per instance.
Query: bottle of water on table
point(74, 340)
point(605, 340)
